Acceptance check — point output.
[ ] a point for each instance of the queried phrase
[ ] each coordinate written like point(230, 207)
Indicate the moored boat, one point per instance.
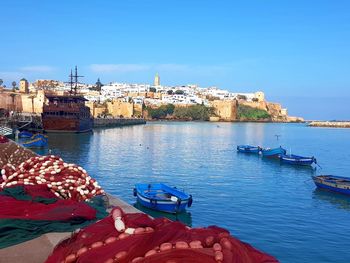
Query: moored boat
point(273, 153)
point(297, 160)
point(25, 134)
point(333, 183)
point(67, 113)
point(161, 197)
point(37, 140)
point(248, 149)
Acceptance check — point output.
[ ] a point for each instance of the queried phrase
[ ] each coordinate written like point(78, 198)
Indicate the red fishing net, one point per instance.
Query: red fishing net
point(143, 239)
point(57, 209)
point(3, 139)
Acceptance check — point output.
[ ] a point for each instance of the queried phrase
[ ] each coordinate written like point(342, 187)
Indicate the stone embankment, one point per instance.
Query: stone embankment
point(331, 124)
point(105, 122)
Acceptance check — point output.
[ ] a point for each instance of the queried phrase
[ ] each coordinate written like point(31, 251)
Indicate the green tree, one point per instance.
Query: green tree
point(152, 89)
point(248, 113)
point(170, 92)
point(194, 112)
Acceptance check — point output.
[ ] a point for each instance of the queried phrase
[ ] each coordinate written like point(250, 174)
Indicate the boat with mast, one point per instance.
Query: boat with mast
point(67, 113)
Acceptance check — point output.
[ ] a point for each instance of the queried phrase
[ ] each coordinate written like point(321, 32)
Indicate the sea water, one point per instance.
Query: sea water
point(274, 207)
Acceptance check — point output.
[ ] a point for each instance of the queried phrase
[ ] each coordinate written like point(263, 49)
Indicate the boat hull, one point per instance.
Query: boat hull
point(67, 125)
point(273, 153)
point(248, 149)
point(333, 185)
point(297, 160)
point(161, 197)
point(164, 206)
point(37, 141)
point(25, 134)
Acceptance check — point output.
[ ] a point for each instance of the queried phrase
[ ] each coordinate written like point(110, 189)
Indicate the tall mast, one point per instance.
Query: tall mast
point(71, 81)
point(74, 80)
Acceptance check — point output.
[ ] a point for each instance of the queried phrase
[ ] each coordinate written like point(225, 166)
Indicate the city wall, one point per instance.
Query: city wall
point(22, 102)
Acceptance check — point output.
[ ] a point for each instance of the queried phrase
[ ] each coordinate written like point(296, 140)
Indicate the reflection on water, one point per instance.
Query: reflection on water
point(340, 201)
point(184, 217)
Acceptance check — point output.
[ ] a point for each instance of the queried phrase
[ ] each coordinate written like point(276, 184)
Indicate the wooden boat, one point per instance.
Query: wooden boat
point(161, 197)
point(248, 149)
point(297, 160)
point(273, 153)
point(333, 183)
point(37, 141)
point(67, 113)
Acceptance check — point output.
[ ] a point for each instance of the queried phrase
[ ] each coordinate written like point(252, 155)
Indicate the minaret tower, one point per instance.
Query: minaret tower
point(157, 80)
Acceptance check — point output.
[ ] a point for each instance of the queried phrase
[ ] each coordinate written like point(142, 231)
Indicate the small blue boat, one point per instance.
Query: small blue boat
point(333, 183)
point(248, 149)
point(37, 141)
point(25, 134)
point(297, 160)
point(161, 197)
point(273, 153)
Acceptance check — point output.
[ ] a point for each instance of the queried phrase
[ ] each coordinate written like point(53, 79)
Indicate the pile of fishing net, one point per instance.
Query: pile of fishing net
point(12, 153)
point(138, 238)
point(41, 194)
point(67, 181)
point(28, 211)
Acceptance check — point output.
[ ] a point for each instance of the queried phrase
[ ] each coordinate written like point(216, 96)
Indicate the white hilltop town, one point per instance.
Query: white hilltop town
point(117, 99)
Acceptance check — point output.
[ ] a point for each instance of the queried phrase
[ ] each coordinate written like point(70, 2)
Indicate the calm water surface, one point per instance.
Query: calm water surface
point(274, 207)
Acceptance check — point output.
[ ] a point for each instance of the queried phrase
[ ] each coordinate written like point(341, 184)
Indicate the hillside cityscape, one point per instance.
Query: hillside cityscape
point(149, 101)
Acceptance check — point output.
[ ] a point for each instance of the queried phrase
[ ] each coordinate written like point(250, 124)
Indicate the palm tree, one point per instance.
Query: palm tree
point(14, 85)
point(1, 81)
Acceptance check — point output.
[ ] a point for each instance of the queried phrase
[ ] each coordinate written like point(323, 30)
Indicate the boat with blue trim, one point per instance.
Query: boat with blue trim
point(248, 149)
point(274, 152)
point(36, 141)
point(297, 160)
point(333, 183)
point(161, 197)
point(25, 134)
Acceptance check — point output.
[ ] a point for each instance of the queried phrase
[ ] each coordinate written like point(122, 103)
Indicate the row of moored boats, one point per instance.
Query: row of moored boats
point(279, 153)
point(333, 183)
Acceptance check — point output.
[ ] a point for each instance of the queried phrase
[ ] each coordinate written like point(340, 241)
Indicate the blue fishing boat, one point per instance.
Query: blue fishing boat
point(161, 197)
point(36, 141)
point(297, 160)
point(273, 153)
point(333, 183)
point(248, 149)
point(25, 134)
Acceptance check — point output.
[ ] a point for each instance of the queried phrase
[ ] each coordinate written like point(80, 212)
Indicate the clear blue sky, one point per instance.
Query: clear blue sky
point(296, 51)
